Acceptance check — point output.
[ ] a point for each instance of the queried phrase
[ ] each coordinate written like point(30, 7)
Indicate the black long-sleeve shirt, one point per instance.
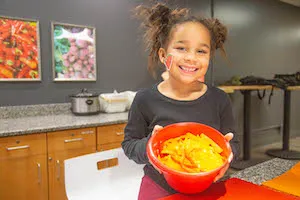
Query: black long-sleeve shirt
point(150, 108)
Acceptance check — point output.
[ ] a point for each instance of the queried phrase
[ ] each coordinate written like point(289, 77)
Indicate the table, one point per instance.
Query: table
point(285, 152)
point(246, 91)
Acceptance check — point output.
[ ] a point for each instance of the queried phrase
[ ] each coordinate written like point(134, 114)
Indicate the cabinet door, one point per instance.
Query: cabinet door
point(110, 136)
point(63, 145)
point(23, 167)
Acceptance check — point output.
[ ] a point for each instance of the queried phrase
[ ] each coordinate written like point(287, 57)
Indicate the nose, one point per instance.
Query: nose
point(190, 57)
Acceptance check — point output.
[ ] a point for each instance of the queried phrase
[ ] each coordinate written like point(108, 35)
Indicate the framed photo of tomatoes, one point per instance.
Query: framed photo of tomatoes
point(19, 49)
point(73, 52)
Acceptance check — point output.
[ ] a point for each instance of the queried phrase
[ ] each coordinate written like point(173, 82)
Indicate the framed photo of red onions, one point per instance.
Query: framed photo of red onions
point(19, 49)
point(73, 52)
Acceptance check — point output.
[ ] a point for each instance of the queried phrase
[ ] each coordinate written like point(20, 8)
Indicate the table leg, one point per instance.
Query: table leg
point(286, 120)
point(246, 161)
point(285, 153)
point(247, 125)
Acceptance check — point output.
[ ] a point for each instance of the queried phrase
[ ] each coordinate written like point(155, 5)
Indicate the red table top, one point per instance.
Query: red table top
point(234, 189)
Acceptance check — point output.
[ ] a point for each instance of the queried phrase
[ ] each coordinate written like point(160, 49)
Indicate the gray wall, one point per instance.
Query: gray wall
point(263, 40)
point(121, 59)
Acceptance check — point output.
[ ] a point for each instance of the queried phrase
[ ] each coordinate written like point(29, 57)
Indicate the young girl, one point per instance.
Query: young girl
point(185, 45)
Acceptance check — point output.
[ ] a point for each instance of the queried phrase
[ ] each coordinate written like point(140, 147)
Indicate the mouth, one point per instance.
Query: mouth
point(188, 69)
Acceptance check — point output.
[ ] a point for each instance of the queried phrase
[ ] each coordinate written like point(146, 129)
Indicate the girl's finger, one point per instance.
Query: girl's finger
point(230, 157)
point(156, 129)
point(221, 173)
point(228, 136)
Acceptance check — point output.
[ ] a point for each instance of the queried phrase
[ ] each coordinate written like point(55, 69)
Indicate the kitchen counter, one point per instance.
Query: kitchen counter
point(48, 123)
point(265, 171)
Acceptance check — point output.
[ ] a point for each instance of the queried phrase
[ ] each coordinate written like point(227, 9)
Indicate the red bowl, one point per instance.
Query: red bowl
point(183, 182)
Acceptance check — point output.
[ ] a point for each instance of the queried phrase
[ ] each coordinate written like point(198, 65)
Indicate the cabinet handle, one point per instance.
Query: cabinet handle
point(73, 140)
point(87, 132)
point(16, 148)
point(57, 170)
point(120, 133)
point(39, 172)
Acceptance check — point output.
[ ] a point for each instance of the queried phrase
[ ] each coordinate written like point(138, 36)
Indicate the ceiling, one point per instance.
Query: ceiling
point(293, 2)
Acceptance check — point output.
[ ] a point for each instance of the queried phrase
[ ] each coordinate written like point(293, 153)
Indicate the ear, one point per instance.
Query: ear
point(162, 55)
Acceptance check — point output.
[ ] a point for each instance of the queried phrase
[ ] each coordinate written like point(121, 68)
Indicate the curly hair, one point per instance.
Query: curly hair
point(158, 22)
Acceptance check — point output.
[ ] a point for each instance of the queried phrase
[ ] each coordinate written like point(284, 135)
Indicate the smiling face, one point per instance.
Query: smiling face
point(190, 47)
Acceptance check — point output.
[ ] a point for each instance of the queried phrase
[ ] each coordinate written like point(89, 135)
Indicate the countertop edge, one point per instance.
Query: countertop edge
point(58, 128)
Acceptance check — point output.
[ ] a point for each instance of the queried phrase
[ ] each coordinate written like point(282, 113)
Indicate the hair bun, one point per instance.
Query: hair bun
point(219, 32)
point(160, 14)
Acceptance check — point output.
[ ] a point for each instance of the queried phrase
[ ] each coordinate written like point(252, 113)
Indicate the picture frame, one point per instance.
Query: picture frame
point(73, 52)
point(19, 49)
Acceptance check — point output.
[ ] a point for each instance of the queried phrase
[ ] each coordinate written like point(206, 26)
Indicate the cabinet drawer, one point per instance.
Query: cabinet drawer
point(25, 145)
point(110, 134)
point(104, 147)
point(71, 139)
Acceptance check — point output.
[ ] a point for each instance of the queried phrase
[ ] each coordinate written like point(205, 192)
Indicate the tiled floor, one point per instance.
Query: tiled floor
point(259, 153)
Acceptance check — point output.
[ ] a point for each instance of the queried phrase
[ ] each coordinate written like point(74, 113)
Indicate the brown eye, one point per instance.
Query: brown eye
point(180, 48)
point(202, 52)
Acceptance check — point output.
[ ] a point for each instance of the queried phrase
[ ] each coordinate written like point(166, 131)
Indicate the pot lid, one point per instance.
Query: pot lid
point(85, 93)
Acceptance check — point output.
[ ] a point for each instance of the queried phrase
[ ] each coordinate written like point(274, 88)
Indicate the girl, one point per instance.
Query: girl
point(185, 45)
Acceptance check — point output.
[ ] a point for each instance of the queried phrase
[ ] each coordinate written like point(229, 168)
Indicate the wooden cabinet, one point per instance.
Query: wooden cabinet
point(23, 167)
point(63, 145)
point(110, 136)
point(32, 166)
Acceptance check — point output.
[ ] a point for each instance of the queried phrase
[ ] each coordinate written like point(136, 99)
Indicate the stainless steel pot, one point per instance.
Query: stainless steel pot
point(85, 103)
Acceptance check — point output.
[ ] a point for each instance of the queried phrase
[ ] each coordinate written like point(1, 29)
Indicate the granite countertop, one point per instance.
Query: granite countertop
point(48, 123)
point(265, 171)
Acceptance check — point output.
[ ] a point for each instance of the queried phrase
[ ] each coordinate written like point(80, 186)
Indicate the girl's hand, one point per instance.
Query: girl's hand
point(155, 130)
point(228, 137)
